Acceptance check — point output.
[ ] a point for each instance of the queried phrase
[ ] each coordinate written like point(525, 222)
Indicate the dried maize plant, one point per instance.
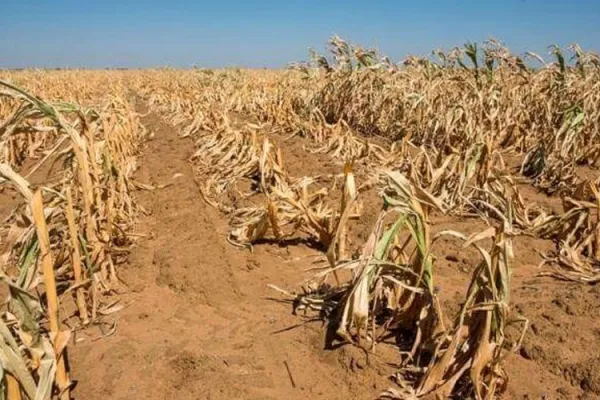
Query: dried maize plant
point(439, 105)
point(452, 178)
point(283, 104)
point(69, 240)
point(33, 364)
point(391, 286)
point(286, 203)
point(550, 164)
point(116, 133)
point(339, 141)
point(574, 137)
point(287, 211)
point(548, 173)
point(225, 156)
point(446, 177)
point(501, 195)
point(577, 232)
point(24, 130)
point(274, 201)
point(467, 361)
point(101, 174)
point(192, 100)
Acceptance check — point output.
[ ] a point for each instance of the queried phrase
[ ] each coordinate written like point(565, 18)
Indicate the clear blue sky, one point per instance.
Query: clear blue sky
point(265, 33)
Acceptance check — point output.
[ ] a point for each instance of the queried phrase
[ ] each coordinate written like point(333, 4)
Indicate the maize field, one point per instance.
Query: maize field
point(349, 227)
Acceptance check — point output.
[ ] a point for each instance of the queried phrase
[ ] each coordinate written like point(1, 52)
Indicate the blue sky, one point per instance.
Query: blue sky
point(267, 33)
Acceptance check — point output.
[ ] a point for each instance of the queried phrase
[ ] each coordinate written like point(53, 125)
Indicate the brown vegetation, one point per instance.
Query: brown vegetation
point(468, 136)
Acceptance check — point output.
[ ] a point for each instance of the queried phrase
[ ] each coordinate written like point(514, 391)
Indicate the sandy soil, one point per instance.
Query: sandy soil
point(201, 323)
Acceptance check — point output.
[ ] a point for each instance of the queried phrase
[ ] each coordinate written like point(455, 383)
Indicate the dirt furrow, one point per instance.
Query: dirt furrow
point(199, 321)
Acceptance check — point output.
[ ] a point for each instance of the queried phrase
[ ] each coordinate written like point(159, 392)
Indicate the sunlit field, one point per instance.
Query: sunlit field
point(442, 211)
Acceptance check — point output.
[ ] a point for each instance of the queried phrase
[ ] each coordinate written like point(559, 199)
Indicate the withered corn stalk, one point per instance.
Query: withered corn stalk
point(85, 203)
point(468, 361)
point(393, 277)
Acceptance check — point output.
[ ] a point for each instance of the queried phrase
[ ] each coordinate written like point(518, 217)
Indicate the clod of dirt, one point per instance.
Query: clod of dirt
point(586, 374)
